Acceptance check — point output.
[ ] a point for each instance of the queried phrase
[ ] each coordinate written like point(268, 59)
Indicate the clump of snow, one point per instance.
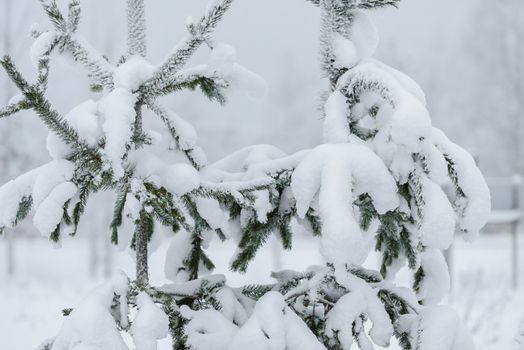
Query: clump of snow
point(360, 45)
point(85, 121)
point(441, 329)
point(210, 210)
point(222, 60)
point(51, 175)
point(176, 255)
point(407, 82)
point(133, 73)
point(223, 57)
point(150, 324)
point(91, 325)
point(16, 99)
point(344, 51)
point(119, 115)
point(436, 282)
point(12, 193)
point(180, 178)
point(208, 329)
point(339, 173)
point(473, 211)
point(438, 219)
point(191, 287)
point(49, 213)
point(361, 300)
point(273, 325)
point(248, 161)
point(234, 305)
point(336, 124)
point(41, 46)
point(187, 135)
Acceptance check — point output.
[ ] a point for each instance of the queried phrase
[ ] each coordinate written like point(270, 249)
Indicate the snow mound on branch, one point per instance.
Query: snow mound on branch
point(361, 300)
point(150, 324)
point(243, 161)
point(49, 176)
point(336, 126)
point(187, 135)
point(119, 115)
point(339, 173)
point(406, 81)
point(180, 178)
point(475, 208)
point(438, 219)
point(436, 282)
point(235, 306)
point(274, 326)
point(210, 210)
point(85, 121)
point(51, 190)
point(132, 73)
point(16, 99)
point(441, 329)
point(49, 213)
point(41, 46)
point(176, 255)
point(208, 329)
point(191, 287)
point(360, 45)
point(222, 60)
point(12, 193)
point(91, 325)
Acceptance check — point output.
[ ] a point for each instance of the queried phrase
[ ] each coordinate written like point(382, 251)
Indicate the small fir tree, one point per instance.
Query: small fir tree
point(384, 180)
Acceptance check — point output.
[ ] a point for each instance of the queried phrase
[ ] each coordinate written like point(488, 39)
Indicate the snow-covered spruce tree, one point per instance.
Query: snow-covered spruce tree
point(384, 179)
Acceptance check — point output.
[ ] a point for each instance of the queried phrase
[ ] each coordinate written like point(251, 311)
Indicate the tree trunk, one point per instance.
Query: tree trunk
point(141, 241)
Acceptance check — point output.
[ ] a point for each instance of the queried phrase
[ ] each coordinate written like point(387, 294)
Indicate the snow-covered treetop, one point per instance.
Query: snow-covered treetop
point(384, 180)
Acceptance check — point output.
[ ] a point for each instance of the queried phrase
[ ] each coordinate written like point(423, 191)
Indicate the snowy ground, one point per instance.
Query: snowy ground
point(49, 279)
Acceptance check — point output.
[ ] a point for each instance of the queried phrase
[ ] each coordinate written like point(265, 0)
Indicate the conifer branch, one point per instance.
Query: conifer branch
point(366, 4)
point(99, 68)
point(212, 86)
point(14, 108)
point(36, 100)
point(136, 28)
point(198, 33)
point(162, 113)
